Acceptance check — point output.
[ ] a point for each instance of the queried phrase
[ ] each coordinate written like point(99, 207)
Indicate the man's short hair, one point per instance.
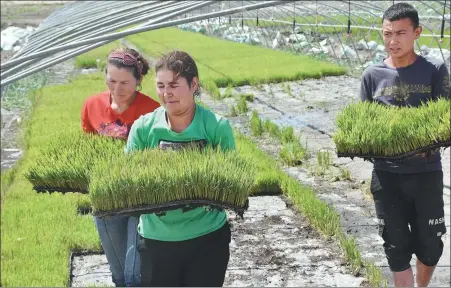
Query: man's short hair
point(401, 11)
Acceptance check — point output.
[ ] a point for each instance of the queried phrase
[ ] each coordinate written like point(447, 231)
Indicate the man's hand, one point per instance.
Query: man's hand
point(428, 153)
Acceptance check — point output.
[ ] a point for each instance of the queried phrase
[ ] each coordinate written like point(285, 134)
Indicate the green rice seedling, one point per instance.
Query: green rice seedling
point(272, 129)
point(228, 92)
point(233, 111)
point(242, 106)
point(369, 129)
point(267, 182)
point(345, 174)
point(64, 164)
point(325, 218)
point(286, 88)
point(318, 170)
point(83, 204)
point(156, 177)
point(7, 179)
point(268, 177)
point(49, 224)
point(256, 124)
point(210, 86)
point(292, 153)
point(266, 125)
point(323, 158)
point(95, 58)
point(320, 214)
point(323, 163)
point(352, 252)
point(247, 59)
point(259, 87)
point(85, 63)
point(247, 96)
point(287, 135)
point(374, 275)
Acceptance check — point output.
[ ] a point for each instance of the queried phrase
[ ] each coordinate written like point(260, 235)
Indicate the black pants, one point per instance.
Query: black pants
point(410, 199)
point(196, 262)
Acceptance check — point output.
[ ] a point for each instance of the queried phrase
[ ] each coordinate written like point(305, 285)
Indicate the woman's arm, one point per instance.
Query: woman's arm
point(224, 135)
point(135, 140)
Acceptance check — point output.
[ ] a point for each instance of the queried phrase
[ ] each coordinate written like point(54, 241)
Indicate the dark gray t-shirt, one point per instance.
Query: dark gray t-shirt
point(421, 81)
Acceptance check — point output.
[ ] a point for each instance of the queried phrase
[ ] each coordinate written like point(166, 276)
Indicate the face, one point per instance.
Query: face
point(399, 37)
point(175, 94)
point(121, 83)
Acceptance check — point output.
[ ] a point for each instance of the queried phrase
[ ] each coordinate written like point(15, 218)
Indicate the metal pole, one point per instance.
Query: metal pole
point(114, 36)
point(12, 62)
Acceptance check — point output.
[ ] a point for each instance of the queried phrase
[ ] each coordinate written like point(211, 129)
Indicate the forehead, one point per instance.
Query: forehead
point(397, 25)
point(115, 72)
point(167, 76)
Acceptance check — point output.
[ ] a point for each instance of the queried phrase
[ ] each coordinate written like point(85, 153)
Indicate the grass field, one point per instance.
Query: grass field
point(228, 63)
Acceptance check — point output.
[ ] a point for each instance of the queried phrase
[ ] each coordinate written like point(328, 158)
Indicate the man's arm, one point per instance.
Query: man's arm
point(440, 87)
point(366, 89)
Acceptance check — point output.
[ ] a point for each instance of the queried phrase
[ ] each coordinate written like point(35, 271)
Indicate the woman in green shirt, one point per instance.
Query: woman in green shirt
point(190, 246)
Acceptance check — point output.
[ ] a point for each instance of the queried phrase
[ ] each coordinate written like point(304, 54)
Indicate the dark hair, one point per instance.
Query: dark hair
point(401, 11)
point(132, 68)
point(181, 63)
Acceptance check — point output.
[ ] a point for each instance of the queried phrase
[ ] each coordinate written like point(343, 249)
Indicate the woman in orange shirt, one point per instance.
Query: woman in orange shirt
point(111, 113)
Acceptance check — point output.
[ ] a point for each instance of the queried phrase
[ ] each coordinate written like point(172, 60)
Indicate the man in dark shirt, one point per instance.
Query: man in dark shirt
point(407, 192)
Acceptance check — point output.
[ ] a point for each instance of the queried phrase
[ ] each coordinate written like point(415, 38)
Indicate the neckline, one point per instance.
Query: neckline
point(109, 101)
point(401, 68)
point(166, 123)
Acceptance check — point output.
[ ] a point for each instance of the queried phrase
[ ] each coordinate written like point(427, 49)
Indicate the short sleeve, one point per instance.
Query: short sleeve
point(366, 91)
point(85, 121)
point(135, 140)
point(224, 135)
point(440, 87)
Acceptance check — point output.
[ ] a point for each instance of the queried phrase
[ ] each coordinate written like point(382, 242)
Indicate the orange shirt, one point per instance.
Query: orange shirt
point(98, 117)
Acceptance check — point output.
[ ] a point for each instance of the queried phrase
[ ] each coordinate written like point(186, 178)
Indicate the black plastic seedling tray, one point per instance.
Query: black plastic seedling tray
point(172, 205)
point(444, 144)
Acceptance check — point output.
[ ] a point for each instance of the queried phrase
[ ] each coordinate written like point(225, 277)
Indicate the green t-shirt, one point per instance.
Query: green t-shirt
point(152, 131)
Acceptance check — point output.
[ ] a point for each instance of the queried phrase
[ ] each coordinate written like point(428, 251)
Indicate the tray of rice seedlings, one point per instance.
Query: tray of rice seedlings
point(64, 164)
point(374, 131)
point(153, 181)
